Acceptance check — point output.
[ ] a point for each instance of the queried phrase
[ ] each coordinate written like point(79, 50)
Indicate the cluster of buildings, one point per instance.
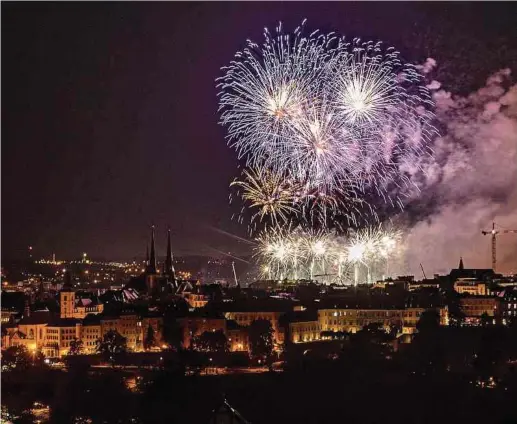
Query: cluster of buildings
point(291, 321)
point(77, 319)
point(294, 318)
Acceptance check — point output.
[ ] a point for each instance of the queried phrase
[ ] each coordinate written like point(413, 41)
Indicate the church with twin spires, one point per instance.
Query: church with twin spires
point(156, 282)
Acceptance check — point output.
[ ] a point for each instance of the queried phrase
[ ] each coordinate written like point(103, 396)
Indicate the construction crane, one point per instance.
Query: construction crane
point(423, 272)
point(494, 233)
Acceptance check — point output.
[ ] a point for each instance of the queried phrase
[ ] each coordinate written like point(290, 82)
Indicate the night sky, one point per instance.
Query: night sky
point(109, 111)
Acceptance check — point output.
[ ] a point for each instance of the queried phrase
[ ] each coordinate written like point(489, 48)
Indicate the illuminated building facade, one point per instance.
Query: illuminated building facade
point(196, 300)
point(304, 331)
point(59, 333)
point(53, 335)
point(476, 306)
point(470, 286)
point(237, 336)
point(72, 306)
point(195, 325)
point(509, 304)
point(246, 318)
point(353, 320)
point(7, 315)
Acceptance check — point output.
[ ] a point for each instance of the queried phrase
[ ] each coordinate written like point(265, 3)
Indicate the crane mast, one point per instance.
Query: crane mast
point(494, 234)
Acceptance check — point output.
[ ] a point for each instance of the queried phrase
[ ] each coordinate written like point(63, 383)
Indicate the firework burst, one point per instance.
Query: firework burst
point(324, 124)
point(269, 193)
point(266, 88)
point(325, 256)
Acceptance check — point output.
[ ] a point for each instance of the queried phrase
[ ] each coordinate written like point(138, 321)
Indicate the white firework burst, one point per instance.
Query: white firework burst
point(333, 121)
point(265, 88)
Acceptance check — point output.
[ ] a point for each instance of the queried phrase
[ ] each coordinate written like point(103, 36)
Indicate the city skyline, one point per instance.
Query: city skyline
point(110, 125)
point(259, 212)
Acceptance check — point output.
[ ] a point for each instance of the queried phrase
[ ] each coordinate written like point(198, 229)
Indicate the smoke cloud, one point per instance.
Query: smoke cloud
point(471, 179)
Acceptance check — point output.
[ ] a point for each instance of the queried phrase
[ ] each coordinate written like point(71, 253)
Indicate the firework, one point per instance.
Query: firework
point(326, 120)
point(274, 199)
point(381, 101)
point(372, 248)
point(266, 88)
point(269, 193)
point(366, 83)
point(325, 256)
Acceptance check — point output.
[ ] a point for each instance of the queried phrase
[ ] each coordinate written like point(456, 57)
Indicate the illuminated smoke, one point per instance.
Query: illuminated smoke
point(471, 181)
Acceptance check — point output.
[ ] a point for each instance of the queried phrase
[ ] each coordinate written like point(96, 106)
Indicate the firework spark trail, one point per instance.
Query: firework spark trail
point(333, 118)
point(233, 236)
point(229, 255)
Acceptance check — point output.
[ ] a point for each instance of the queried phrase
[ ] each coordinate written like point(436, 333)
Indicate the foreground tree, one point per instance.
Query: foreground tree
point(261, 340)
point(172, 332)
point(485, 319)
point(428, 354)
point(76, 347)
point(211, 341)
point(429, 322)
point(16, 358)
point(112, 346)
point(149, 340)
point(453, 302)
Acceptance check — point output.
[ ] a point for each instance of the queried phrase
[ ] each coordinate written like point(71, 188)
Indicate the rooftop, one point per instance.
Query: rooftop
point(63, 322)
point(36, 317)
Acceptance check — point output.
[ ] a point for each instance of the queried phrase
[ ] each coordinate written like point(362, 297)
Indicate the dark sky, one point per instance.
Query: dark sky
point(109, 116)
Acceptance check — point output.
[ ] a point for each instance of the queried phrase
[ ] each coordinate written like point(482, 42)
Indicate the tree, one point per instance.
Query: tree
point(453, 302)
point(211, 341)
point(261, 340)
point(149, 340)
point(74, 360)
point(370, 344)
point(112, 346)
point(172, 332)
point(76, 347)
point(429, 322)
point(485, 319)
point(16, 358)
point(492, 351)
point(429, 353)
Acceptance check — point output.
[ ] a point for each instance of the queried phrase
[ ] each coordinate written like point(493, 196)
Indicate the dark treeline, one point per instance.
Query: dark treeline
point(446, 375)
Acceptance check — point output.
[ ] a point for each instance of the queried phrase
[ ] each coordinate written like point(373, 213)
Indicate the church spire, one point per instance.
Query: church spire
point(169, 267)
point(151, 265)
point(461, 264)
